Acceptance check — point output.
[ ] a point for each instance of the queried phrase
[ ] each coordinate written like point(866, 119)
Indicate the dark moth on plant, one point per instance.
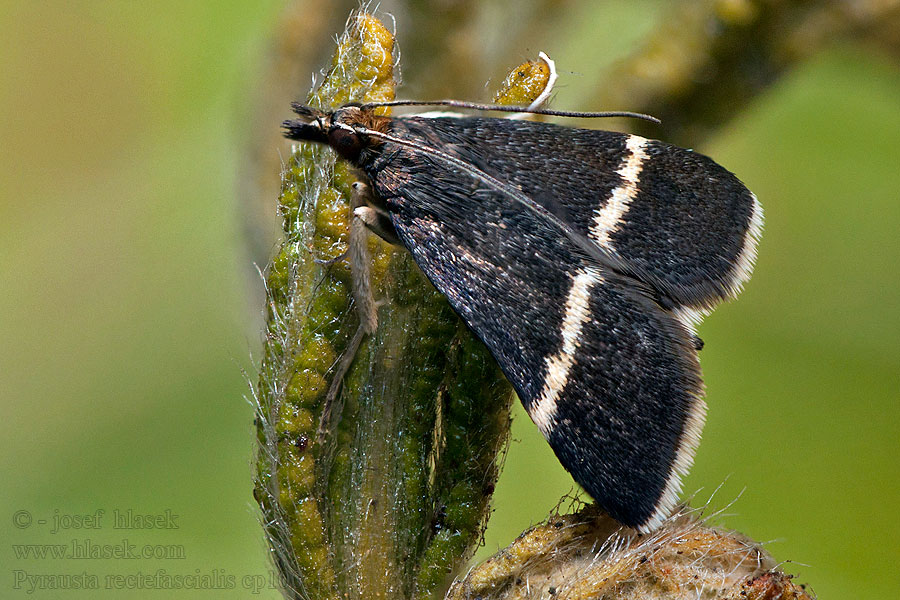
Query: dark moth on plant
point(583, 259)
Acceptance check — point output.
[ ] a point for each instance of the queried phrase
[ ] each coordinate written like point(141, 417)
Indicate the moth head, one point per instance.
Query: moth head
point(346, 132)
point(345, 129)
point(351, 129)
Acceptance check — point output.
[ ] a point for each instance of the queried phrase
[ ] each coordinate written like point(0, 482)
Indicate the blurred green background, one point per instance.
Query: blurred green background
point(130, 310)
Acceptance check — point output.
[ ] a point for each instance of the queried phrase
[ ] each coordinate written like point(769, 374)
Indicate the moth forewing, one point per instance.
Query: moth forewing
point(582, 259)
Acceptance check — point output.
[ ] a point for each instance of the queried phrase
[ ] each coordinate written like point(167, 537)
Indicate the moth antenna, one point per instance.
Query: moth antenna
point(516, 109)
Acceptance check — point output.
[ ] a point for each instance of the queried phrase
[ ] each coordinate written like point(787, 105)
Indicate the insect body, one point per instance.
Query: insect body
point(582, 259)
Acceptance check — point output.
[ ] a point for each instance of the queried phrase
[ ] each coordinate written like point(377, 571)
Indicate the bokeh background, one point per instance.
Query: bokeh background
point(132, 210)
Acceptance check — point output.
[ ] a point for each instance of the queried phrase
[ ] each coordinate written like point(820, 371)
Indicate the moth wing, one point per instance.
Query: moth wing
point(610, 379)
point(679, 221)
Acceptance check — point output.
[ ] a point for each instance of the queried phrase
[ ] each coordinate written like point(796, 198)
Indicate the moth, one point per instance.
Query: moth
point(583, 259)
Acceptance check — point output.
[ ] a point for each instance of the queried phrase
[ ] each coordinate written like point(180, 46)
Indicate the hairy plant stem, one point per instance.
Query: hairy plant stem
point(391, 501)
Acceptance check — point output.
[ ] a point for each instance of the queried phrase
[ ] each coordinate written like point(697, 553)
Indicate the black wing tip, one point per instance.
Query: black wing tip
point(648, 494)
point(645, 496)
point(688, 442)
point(643, 509)
point(731, 283)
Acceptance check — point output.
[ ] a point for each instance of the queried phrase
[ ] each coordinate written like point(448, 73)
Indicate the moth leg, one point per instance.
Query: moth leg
point(366, 210)
point(332, 396)
point(361, 289)
point(360, 260)
point(377, 223)
point(328, 262)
